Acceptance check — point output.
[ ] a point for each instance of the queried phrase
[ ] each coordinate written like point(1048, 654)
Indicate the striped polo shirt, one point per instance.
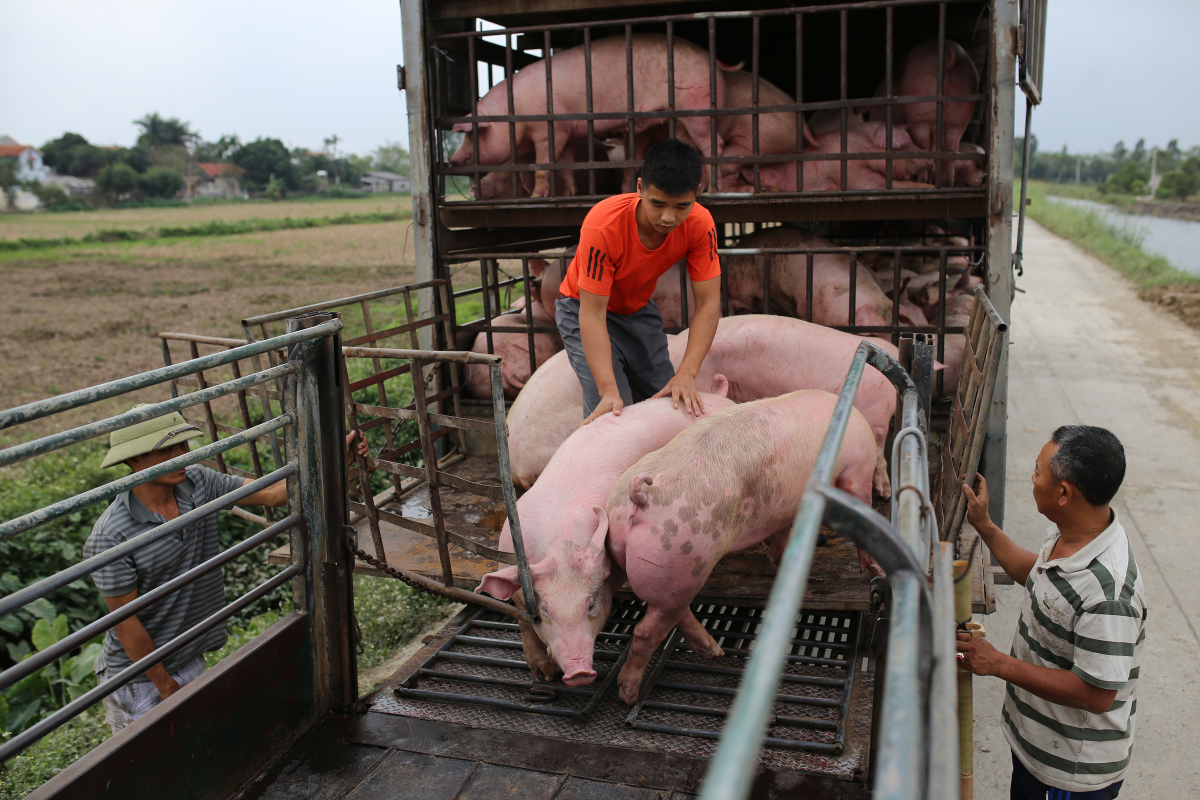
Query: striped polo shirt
point(159, 562)
point(1085, 613)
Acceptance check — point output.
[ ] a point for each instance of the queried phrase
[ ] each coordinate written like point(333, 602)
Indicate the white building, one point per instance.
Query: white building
point(376, 181)
point(29, 166)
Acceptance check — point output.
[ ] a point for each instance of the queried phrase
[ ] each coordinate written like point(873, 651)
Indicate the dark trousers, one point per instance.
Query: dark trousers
point(640, 359)
point(1026, 787)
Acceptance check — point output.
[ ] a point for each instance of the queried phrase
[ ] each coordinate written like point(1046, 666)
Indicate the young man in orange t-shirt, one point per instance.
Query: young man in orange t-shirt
point(611, 329)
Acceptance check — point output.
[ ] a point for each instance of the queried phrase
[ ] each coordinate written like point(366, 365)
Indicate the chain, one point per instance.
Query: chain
point(382, 566)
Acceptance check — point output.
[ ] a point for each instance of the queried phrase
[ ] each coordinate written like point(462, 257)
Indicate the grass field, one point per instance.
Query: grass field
point(79, 223)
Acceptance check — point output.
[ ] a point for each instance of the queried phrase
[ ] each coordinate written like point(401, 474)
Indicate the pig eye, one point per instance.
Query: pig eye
point(591, 607)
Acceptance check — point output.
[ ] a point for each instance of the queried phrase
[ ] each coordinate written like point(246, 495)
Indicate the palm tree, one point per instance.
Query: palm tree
point(158, 131)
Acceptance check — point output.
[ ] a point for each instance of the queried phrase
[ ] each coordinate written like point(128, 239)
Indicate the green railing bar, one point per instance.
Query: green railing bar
point(42, 515)
point(83, 397)
point(731, 771)
point(49, 444)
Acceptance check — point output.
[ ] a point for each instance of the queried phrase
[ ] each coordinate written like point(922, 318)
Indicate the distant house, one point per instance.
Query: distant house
point(29, 166)
point(220, 181)
point(74, 187)
point(385, 182)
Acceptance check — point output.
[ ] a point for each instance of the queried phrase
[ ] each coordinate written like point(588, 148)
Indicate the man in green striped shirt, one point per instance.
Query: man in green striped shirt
point(1072, 673)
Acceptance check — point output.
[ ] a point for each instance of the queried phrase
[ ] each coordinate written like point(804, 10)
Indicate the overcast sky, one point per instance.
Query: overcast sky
point(303, 70)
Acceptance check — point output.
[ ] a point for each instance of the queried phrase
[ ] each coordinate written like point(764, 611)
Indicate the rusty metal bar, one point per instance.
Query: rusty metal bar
point(754, 53)
point(591, 124)
point(670, 81)
point(380, 390)
point(474, 70)
point(364, 471)
point(939, 143)
point(888, 109)
point(799, 18)
point(631, 148)
point(844, 94)
point(509, 74)
point(431, 475)
point(714, 172)
point(550, 110)
point(510, 496)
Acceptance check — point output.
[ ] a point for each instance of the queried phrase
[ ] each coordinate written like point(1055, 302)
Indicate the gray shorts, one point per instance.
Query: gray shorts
point(641, 361)
point(134, 700)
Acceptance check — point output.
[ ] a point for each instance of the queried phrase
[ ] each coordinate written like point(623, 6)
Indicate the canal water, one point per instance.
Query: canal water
point(1177, 240)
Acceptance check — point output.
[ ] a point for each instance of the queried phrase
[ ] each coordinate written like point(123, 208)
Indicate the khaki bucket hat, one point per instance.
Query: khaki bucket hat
point(144, 437)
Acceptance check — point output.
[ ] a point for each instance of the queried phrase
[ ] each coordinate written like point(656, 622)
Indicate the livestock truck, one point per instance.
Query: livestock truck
point(832, 685)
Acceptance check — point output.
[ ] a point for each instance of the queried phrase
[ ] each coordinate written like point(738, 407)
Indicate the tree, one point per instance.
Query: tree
point(163, 132)
point(218, 151)
point(1181, 183)
point(71, 154)
point(117, 180)
point(263, 159)
point(392, 157)
point(1119, 152)
point(160, 182)
point(1139, 151)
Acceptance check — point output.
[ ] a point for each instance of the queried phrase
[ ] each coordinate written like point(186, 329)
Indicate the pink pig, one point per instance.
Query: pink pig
point(568, 68)
point(730, 481)
point(514, 347)
point(564, 529)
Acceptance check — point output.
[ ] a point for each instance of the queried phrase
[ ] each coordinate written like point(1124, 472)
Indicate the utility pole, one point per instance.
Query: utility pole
point(1078, 169)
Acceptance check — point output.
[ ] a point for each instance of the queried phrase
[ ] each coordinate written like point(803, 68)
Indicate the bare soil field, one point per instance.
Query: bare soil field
point(79, 316)
point(47, 225)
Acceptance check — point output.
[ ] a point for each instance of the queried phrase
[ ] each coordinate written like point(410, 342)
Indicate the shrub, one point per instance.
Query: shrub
point(117, 180)
point(160, 182)
point(59, 750)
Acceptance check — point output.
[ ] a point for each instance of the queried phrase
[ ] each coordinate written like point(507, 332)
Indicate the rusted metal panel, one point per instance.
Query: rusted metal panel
point(404, 775)
point(267, 684)
point(319, 766)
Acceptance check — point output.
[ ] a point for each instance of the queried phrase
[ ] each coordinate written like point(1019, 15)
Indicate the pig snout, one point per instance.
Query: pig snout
point(578, 672)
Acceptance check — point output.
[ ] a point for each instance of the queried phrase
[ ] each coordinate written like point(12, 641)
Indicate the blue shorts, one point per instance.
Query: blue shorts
point(1026, 787)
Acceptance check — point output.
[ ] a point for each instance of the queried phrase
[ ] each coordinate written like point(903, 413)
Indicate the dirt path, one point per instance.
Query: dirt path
point(1085, 350)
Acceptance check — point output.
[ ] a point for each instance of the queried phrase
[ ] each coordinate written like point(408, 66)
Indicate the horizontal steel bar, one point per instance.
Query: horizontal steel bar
point(432, 356)
point(791, 744)
point(83, 397)
point(48, 444)
point(73, 709)
point(219, 341)
point(799, 699)
point(909, 249)
point(491, 662)
point(486, 701)
point(780, 12)
point(744, 198)
point(42, 515)
point(809, 680)
point(515, 684)
point(343, 301)
point(86, 567)
point(822, 662)
point(799, 722)
point(113, 618)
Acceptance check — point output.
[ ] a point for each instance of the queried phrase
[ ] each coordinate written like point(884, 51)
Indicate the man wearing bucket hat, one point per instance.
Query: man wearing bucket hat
point(141, 509)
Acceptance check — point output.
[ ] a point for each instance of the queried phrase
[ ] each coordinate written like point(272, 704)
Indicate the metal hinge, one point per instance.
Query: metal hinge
point(418, 206)
point(1020, 41)
point(401, 80)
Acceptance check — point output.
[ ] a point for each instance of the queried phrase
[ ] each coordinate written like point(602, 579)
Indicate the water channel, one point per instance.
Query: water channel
point(1177, 240)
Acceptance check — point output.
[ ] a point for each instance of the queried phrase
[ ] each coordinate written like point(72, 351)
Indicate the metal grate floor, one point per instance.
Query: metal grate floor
point(822, 716)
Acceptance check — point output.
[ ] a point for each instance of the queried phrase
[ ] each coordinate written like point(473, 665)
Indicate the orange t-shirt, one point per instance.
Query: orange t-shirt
point(612, 261)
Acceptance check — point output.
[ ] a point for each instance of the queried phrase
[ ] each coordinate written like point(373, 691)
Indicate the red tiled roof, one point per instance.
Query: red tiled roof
point(13, 150)
point(217, 170)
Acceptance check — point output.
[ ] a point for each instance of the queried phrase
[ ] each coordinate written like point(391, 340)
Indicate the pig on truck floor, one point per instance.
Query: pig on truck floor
point(730, 481)
point(564, 530)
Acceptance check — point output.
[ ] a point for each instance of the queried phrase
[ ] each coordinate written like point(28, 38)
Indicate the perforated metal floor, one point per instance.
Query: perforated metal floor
point(823, 712)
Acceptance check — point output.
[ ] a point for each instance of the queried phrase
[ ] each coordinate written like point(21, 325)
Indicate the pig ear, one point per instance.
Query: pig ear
point(501, 584)
point(601, 534)
point(809, 138)
point(637, 490)
point(720, 385)
point(537, 266)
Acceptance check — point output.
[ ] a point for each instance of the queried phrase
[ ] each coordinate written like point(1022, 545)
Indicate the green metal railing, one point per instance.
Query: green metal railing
point(917, 751)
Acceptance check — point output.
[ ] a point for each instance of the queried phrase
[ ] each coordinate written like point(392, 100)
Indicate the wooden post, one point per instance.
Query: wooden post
point(966, 701)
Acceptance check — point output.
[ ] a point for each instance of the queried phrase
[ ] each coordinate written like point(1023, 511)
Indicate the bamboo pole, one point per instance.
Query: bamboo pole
point(966, 702)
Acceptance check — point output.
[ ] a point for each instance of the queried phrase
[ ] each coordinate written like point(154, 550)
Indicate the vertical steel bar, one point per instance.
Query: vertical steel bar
point(166, 351)
point(941, 320)
point(380, 391)
point(800, 121)
point(510, 496)
point(966, 699)
point(364, 472)
point(431, 471)
point(844, 91)
point(631, 147)
point(208, 412)
point(528, 314)
point(765, 266)
point(447, 308)
point(474, 65)
point(264, 396)
point(671, 79)
point(1026, 150)
point(512, 125)
point(754, 51)
point(487, 303)
point(853, 286)
point(550, 110)
point(896, 287)
point(255, 461)
point(890, 47)
point(943, 690)
point(591, 124)
point(714, 182)
point(808, 290)
point(940, 142)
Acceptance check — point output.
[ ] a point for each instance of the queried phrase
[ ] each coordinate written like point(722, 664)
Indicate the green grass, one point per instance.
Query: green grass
point(1119, 247)
point(1084, 192)
point(59, 750)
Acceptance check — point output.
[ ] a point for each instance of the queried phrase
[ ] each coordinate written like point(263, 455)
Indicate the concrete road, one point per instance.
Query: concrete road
point(1086, 350)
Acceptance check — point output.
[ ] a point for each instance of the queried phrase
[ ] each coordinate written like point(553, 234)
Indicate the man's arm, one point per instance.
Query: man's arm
point(702, 329)
point(1059, 686)
point(1016, 560)
point(138, 645)
point(275, 495)
point(597, 350)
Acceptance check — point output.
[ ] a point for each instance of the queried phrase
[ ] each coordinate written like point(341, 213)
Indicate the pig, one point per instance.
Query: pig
point(919, 77)
point(758, 354)
point(666, 292)
point(650, 93)
point(500, 184)
point(776, 131)
point(565, 532)
point(514, 347)
point(789, 281)
point(730, 481)
point(970, 173)
point(861, 175)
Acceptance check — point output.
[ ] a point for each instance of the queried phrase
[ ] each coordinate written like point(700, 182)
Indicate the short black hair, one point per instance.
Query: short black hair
point(1091, 458)
point(672, 167)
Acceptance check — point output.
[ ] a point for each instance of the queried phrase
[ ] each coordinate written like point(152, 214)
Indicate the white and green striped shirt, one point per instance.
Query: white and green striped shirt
point(1085, 613)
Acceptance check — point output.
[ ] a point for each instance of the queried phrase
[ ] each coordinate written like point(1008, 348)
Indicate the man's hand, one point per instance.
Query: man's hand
point(362, 448)
point(166, 688)
point(977, 503)
point(683, 387)
point(869, 565)
point(978, 655)
point(609, 401)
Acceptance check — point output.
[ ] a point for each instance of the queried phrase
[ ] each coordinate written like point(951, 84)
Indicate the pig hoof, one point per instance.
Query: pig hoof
point(629, 696)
